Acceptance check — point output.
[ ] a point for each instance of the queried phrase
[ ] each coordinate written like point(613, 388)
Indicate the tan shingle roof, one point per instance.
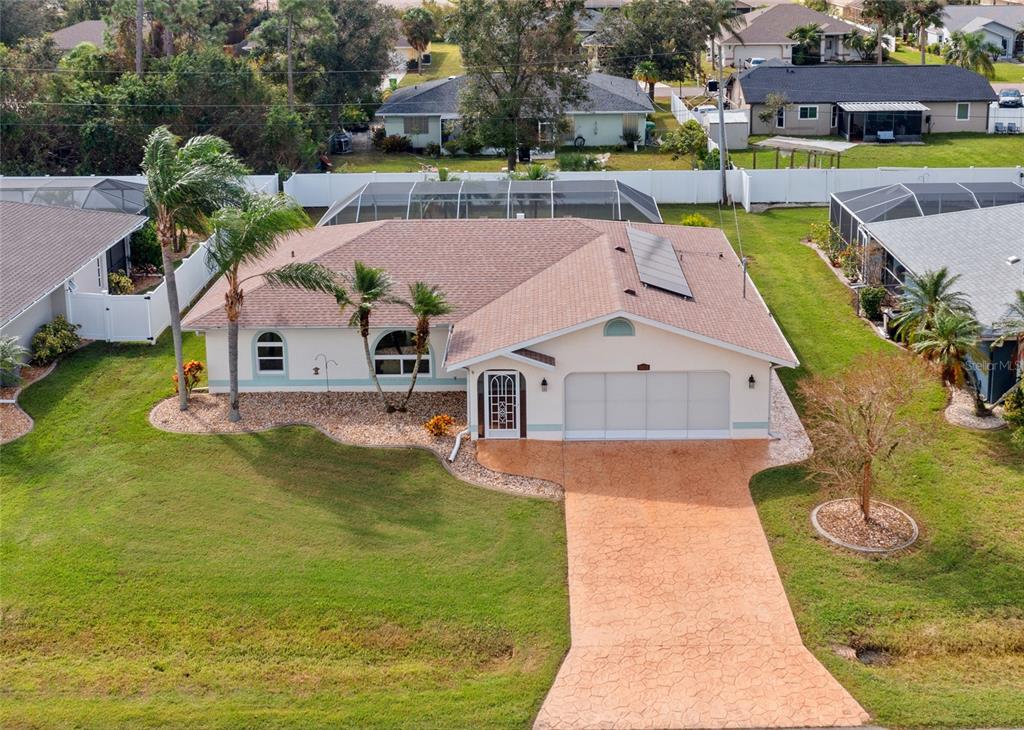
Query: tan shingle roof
point(42, 246)
point(515, 281)
point(773, 24)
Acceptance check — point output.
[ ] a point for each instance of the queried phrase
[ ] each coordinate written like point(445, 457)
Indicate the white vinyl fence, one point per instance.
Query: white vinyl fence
point(138, 317)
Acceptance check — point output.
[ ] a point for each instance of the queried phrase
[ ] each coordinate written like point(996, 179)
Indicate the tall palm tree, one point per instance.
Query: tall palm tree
point(1012, 326)
point(884, 14)
point(244, 235)
point(646, 72)
point(923, 14)
point(425, 302)
point(370, 288)
point(924, 297)
point(185, 184)
point(971, 51)
point(949, 343)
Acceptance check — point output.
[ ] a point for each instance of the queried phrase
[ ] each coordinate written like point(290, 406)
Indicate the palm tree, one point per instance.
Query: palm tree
point(1012, 325)
point(244, 235)
point(924, 297)
point(808, 39)
point(418, 27)
point(949, 343)
point(884, 14)
point(971, 51)
point(370, 288)
point(923, 14)
point(646, 72)
point(425, 302)
point(184, 185)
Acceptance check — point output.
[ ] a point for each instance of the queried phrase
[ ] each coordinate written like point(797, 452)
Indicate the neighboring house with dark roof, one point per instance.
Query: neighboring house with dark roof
point(976, 245)
point(47, 252)
point(561, 329)
point(764, 33)
point(859, 101)
point(1001, 25)
point(87, 31)
point(428, 113)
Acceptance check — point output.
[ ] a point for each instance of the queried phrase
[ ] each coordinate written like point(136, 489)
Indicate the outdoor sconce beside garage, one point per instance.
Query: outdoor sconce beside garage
point(751, 382)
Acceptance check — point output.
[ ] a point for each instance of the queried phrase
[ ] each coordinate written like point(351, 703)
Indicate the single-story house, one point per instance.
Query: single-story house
point(47, 252)
point(87, 31)
point(764, 33)
point(428, 113)
point(976, 245)
point(1001, 25)
point(859, 102)
point(561, 329)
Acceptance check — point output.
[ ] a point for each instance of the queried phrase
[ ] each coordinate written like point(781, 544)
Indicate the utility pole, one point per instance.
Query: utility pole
point(721, 127)
point(139, 10)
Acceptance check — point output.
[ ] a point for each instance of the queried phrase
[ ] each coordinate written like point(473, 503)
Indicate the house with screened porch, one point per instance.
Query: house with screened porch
point(561, 328)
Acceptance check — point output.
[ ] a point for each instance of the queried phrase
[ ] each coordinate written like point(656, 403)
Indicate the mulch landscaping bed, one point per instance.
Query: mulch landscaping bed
point(14, 422)
point(888, 529)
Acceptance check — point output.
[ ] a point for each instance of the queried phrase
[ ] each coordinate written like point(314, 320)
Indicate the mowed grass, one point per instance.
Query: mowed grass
point(1006, 71)
point(268, 580)
point(951, 612)
point(445, 61)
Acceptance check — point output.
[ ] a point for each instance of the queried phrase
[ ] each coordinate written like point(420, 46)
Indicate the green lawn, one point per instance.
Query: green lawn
point(445, 61)
point(269, 580)
point(951, 612)
point(1006, 71)
point(938, 150)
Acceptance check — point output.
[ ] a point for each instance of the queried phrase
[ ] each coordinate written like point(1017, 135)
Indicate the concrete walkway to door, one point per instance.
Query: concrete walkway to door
point(678, 616)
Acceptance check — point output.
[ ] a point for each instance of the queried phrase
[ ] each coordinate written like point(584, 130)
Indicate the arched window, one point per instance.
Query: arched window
point(395, 354)
point(270, 353)
point(618, 327)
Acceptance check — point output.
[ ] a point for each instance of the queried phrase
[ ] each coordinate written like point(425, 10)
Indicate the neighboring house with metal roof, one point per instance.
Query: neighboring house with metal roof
point(860, 101)
point(47, 252)
point(561, 329)
point(1000, 25)
point(428, 113)
point(764, 33)
point(984, 247)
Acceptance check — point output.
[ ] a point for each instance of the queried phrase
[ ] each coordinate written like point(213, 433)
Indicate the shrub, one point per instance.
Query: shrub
point(534, 171)
point(12, 357)
point(146, 247)
point(630, 137)
point(471, 143)
point(440, 425)
point(578, 162)
point(432, 150)
point(1013, 407)
point(849, 262)
point(453, 146)
point(445, 175)
point(193, 370)
point(696, 219)
point(871, 298)
point(377, 137)
point(53, 340)
point(395, 143)
point(119, 282)
point(710, 160)
point(934, 48)
point(688, 140)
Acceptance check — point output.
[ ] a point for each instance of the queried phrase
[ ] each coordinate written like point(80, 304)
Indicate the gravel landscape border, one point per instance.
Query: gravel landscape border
point(860, 548)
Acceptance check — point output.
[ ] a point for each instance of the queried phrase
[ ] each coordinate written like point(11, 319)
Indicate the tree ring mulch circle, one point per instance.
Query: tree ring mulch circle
point(840, 522)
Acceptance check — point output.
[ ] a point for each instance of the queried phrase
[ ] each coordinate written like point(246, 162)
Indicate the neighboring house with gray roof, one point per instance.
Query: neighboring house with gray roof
point(428, 113)
point(1001, 25)
point(859, 101)
point(87, 31)
point(764, 33)
point(47, 252)
point(976, 245)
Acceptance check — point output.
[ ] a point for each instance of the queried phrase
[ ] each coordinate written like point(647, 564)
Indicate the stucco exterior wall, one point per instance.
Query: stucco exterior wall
point(795, 126)
point(396, 125)
point(25, 325)
point(944, 119)
point(603, 130)
point(588, 350)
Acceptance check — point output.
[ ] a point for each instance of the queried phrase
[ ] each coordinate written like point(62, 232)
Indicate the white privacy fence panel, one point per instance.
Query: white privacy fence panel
point(681, 112)
point(89, 312)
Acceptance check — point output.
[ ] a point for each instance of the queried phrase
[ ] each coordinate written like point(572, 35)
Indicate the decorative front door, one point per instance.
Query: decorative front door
point(501, 404)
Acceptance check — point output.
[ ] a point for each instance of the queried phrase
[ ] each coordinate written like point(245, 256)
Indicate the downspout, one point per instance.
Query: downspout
point(458, 442)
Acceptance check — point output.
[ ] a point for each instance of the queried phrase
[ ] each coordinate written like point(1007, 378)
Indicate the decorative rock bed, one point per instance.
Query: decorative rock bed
point(14, 422)
point(351, 418)
point(960, 412)
point(840, 522)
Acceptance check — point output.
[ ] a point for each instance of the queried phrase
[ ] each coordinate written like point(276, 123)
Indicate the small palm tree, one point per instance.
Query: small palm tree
point(971, 51)
point(185, 184)
point(370, 288)
point(951, 340)
point(244, 235)
point(646, 72)
point(808, 39)
point(922, 15)
point(1011, 326)
point(924, 297)
point(425, 302)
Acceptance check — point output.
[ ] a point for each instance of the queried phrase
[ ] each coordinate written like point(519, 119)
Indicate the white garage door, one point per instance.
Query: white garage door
point(692, 405)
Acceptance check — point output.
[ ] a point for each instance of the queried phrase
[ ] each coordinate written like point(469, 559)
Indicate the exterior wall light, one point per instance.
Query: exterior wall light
point(316, 370)
point(544, 385)
point(751, 382)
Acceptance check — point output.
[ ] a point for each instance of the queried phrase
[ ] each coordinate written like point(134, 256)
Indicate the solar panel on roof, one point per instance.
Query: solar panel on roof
point(657, 263)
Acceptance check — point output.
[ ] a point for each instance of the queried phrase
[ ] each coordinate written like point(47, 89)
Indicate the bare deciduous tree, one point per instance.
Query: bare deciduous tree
point(858, 419)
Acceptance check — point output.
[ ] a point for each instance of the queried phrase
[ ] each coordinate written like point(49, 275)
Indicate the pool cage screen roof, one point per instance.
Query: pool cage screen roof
point(601, 199)
point(852, 208)
point(91, 193)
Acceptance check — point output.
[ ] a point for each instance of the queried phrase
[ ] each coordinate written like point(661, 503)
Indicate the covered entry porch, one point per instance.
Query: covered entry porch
point(882, 121)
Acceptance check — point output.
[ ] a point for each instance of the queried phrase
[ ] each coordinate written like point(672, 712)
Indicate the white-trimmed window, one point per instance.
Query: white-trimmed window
point(415, 125)
point(780, 118)
point(808, 112)
point(395, 354)
point(835, 116)
point(963, 111)
point(270, 353)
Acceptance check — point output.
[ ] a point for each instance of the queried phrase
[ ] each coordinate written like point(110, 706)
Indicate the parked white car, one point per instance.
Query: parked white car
point(753, 62)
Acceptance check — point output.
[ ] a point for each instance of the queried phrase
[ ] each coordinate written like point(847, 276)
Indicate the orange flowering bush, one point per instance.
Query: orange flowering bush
point(440, 425)
point(193, 370)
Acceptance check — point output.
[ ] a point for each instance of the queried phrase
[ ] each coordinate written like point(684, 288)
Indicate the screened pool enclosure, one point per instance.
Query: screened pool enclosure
point(89, 193)
point(853, 208)
point(601, 199)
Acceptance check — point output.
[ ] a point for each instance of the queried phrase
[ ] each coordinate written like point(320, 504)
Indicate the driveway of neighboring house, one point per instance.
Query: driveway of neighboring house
point(677, 612)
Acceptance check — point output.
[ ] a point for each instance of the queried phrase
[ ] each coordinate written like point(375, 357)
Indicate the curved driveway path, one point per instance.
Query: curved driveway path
point(677, 612)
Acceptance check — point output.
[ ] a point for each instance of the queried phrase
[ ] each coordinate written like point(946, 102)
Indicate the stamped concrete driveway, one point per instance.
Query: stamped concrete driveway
point(678, 616)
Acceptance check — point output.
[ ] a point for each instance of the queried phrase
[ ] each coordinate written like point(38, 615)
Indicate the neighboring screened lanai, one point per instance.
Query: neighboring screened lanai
point(601, 199)
point(849, 210)
point(90, 193)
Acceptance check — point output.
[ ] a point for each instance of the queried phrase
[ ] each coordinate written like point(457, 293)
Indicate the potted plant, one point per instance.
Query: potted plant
point(12, 357)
